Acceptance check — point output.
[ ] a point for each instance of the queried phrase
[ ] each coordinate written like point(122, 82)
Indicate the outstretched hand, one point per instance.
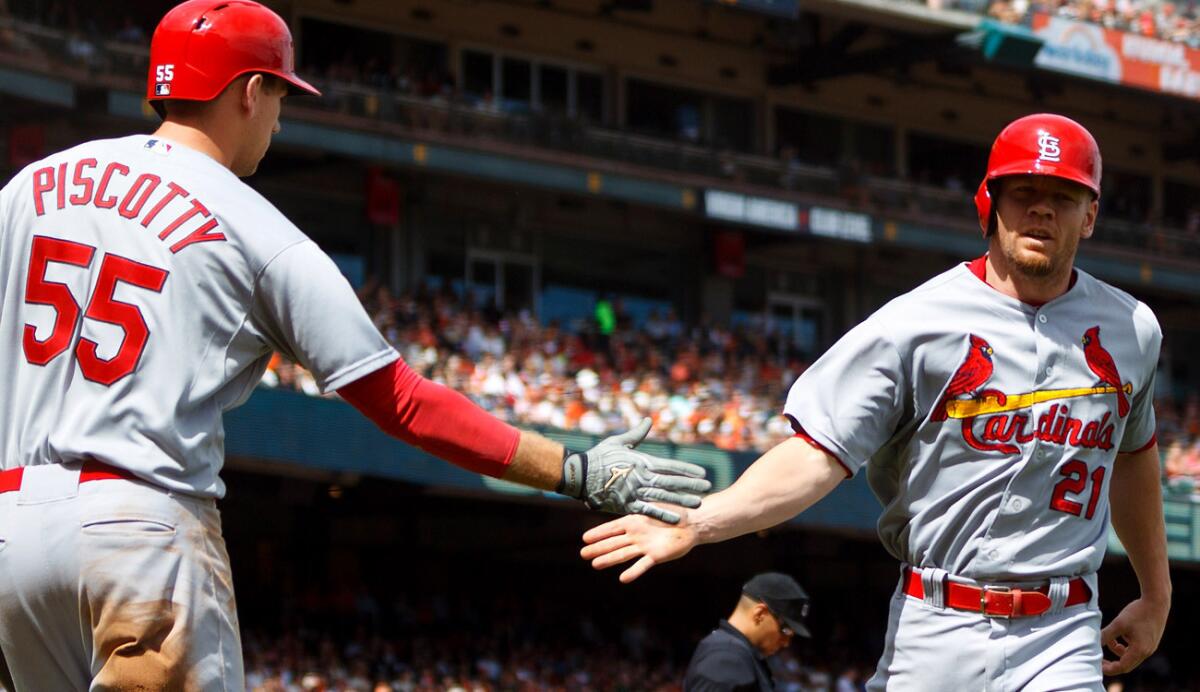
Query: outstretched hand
point(615, 477)
point(1133, 635)
point(649, 541)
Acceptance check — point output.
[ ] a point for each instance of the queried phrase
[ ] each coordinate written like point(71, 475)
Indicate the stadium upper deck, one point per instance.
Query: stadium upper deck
point(879, 106)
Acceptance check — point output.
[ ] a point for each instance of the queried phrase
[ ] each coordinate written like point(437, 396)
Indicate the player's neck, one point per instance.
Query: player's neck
point(195, 138)
point(1032, 290)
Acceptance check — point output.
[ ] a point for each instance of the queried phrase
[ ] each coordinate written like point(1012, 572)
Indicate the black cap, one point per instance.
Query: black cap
point(783, 596)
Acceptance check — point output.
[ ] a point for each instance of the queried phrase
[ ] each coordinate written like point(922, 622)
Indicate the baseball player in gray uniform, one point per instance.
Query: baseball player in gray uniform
point(144, 288)
point(1003, 415)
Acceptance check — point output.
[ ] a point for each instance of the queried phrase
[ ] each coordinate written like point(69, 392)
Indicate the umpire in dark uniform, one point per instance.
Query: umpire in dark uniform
point(734, 656)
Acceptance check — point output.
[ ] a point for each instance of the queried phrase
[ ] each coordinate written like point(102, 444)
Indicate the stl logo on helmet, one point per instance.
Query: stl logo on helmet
point(1048, 147)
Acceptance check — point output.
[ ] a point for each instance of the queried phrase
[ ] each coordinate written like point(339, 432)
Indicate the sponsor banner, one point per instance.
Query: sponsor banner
point(835, 223)
point(754, 211)
point(1092, 51)
point(787, 216)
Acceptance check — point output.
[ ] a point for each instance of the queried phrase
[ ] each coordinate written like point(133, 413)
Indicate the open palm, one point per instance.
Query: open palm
point(649, 541)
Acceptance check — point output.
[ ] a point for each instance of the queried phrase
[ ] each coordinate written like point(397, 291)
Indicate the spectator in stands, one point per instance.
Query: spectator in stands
point(1191, 226)
point(82, 50)
point(131, 32)
point(1005, 11)
point(687, 122)
point(850, 680)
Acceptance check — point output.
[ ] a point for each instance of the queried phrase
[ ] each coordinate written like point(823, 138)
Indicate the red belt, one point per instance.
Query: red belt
point(999, 601)
point(92, 471)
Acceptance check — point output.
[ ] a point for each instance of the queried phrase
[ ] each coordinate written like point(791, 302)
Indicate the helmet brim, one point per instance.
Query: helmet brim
point(297, 85)
point(1051, 169)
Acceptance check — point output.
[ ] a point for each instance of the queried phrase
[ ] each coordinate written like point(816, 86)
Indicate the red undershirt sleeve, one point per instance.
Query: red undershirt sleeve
point(435, 418)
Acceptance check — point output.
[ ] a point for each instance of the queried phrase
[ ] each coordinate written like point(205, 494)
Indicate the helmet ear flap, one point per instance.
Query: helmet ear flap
point(993, 214)
point(983, 206)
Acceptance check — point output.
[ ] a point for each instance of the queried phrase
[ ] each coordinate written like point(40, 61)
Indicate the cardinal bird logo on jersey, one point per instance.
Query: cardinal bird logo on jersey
point(970, 376)
point(1101, 363)
point(997, 422)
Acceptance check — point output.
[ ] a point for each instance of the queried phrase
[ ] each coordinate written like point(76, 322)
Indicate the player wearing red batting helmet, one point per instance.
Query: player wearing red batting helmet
point(972, 405)
point(220, 69)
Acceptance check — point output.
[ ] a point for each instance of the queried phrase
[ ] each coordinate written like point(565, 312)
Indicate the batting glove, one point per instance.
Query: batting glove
point(615, 477)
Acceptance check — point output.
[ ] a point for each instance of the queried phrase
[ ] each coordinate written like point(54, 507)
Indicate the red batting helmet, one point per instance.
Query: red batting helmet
point(1041, 144)
point(201, 46)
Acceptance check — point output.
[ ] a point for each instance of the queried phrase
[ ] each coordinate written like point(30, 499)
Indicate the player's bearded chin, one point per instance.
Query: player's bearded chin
point(1028, 263)
point(1038, 265)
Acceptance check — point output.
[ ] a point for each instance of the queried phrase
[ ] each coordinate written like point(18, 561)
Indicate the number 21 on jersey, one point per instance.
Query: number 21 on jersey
point(1075, 481)
point(102, 307)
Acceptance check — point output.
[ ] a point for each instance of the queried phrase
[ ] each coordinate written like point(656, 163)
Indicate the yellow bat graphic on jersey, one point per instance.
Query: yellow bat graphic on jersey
point(990, 403)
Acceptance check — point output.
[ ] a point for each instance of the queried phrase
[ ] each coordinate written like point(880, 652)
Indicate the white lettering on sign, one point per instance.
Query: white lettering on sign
point(756, 211)
point(1149, 50)
point(835, 223)
point(725, 205)
point(769, 212)
point(1176, 81)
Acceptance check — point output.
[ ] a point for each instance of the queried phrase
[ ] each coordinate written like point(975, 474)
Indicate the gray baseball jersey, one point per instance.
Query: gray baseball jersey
point(989, 427)
point(145, 287)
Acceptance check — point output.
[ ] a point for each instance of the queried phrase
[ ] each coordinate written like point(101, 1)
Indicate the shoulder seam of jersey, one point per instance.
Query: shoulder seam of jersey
point(254, 286)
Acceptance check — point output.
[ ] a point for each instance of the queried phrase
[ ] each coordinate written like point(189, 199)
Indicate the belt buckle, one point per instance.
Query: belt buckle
point(983, 592)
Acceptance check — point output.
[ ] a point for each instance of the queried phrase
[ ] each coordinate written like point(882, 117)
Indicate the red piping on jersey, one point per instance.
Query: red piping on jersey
point(978, 267)
point(808, 438)
point(435, 418)
point(1153, 441)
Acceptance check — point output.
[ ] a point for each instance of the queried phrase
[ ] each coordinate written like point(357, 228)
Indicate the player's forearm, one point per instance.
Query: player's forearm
point(538, 462)
point(785, 481)
point(435, 418)
point(1135, 496)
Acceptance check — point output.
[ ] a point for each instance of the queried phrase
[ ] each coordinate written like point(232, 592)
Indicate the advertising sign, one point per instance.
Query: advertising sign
point(1090, 50)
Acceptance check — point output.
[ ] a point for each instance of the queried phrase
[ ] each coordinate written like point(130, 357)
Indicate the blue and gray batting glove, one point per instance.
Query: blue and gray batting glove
point(614, 477)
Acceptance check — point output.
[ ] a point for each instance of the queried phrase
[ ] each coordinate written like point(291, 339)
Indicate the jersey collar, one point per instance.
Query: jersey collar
point(978, 267)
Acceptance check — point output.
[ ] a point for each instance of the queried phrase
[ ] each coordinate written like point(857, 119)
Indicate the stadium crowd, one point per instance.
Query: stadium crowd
point(528, 644)
point(1162, 19)
point(699, 384)
point(1179, 439)
point(1169, 20)
point(308, 662)
point(503, 643)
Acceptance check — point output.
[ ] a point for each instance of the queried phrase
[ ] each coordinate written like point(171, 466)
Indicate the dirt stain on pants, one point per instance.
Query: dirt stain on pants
point(142, 645)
